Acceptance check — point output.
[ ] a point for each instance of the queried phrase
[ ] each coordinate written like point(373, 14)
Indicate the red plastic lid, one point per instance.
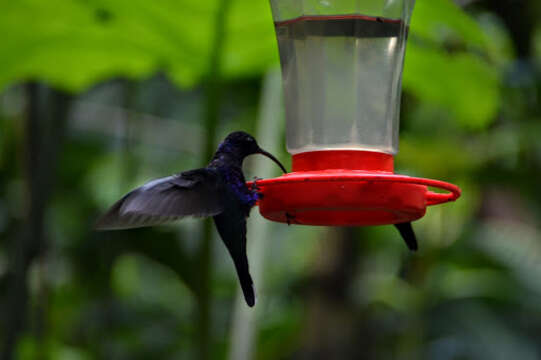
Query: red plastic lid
point(364, 191)
point(343, 159)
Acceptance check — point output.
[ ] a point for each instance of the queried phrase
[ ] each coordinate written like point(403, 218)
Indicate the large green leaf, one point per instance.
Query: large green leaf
point(250, 41)
point(461, 82)
point(441, 20)
point(74, 44)
point(440, 69)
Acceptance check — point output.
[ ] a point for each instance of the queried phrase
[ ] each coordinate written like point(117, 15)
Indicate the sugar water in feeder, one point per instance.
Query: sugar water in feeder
point(340, 76)
point(341, 70)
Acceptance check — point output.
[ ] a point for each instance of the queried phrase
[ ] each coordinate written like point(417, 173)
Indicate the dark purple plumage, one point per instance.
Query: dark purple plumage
point(219, 190)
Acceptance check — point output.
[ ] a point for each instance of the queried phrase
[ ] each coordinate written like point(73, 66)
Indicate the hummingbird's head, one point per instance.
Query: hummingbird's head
point(244, 145)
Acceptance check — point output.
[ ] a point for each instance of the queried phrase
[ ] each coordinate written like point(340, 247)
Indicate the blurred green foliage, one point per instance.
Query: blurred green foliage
point(75, 44)
point(137, 71)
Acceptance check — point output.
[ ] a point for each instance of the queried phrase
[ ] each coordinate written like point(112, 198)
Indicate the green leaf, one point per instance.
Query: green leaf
point(461, 82)
point(251, 46)
point(74, 44)
point(438, 20)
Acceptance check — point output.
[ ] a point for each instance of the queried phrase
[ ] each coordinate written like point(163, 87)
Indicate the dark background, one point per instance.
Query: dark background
point(100, 96)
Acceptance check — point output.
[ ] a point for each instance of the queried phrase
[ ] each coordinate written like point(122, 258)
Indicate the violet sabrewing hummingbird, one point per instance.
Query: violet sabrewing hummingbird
point(218, 190)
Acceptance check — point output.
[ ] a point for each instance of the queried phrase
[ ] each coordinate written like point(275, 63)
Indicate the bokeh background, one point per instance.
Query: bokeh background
point(99, 96)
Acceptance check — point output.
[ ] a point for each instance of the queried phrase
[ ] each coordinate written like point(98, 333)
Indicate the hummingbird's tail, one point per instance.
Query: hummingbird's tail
point(246, 283)
point(408, 235)
point(231, 226)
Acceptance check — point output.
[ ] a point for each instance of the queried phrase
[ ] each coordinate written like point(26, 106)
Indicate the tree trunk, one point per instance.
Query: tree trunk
point(44, 130)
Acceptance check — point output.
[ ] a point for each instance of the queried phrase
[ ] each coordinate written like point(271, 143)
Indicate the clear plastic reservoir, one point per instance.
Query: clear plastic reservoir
point(342, 72)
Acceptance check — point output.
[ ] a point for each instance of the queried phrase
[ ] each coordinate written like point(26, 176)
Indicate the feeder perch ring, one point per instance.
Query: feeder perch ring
point(349, 197)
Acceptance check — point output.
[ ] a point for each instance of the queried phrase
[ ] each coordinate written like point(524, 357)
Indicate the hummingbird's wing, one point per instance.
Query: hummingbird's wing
point(231, 225)
point(191, 193)
point(408, 235)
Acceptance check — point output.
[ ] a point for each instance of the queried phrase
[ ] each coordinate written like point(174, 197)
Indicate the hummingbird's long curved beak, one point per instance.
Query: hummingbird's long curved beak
point(270, 156)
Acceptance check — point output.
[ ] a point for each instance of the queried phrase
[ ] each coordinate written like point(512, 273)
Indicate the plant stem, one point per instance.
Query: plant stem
point(44, 134)
point(213, 98)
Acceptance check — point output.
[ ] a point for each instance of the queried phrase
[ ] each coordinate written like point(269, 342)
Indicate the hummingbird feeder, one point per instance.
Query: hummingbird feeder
point(341, 69)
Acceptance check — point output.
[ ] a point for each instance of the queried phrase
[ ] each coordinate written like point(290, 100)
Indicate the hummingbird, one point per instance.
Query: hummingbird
point(406, 231)
point(218, 190)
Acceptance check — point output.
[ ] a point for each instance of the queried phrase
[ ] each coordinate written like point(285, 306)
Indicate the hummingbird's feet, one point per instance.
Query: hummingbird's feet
point(254, 183)
point(256, 188)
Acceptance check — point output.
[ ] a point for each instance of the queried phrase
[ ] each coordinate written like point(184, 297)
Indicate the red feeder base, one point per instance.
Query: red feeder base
point(343, 196)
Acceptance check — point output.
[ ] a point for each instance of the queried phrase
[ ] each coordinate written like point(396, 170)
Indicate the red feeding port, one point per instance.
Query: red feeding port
point(348, 188)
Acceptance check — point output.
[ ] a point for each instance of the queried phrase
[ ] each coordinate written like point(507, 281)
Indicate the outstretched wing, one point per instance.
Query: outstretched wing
point(408, 235)
point(231, 225)
point(190, 193)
